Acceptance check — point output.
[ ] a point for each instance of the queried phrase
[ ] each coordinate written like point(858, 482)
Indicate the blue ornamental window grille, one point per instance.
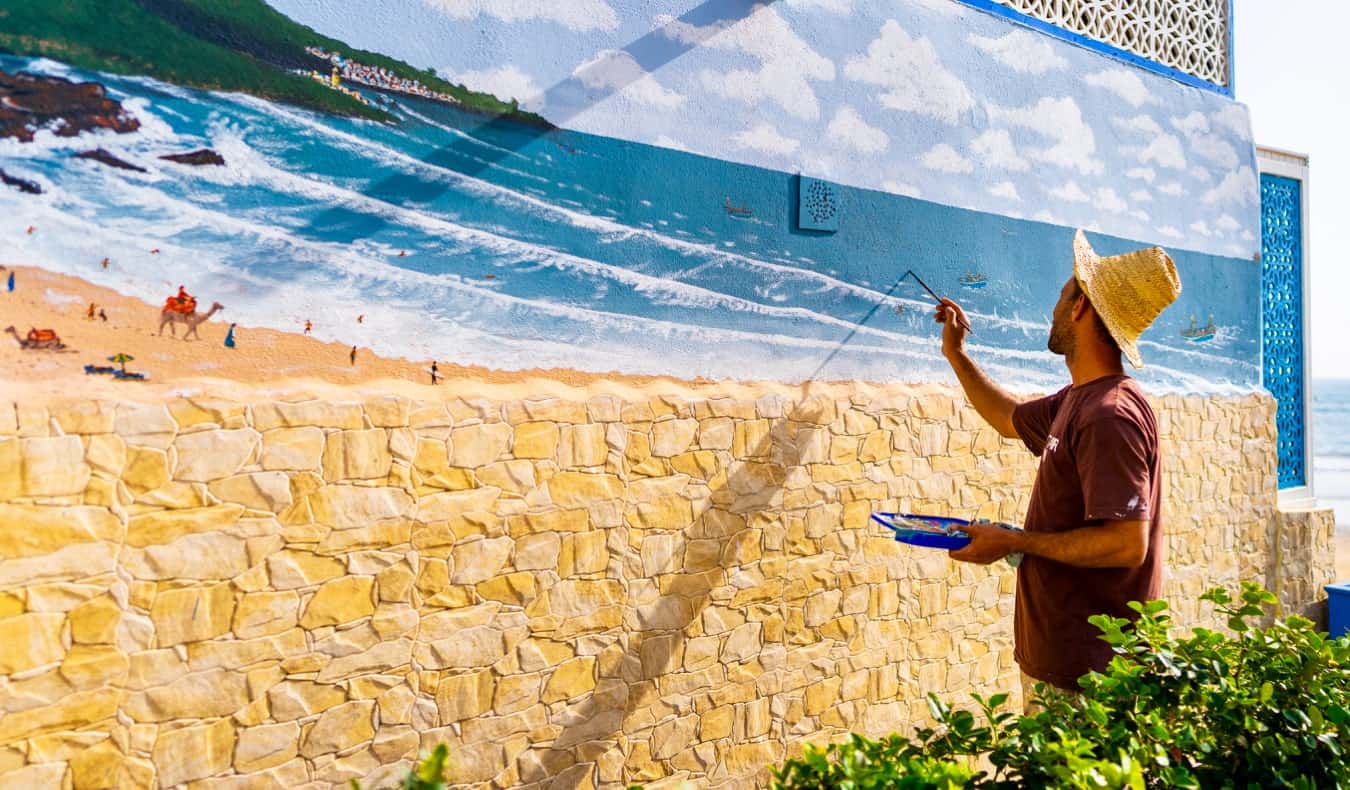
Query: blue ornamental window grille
point(1282, 318)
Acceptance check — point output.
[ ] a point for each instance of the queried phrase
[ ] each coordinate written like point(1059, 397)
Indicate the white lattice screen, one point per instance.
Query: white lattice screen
point(1190, 36)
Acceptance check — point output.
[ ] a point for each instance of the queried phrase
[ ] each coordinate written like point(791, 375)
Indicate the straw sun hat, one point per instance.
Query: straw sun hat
point(1128, 291)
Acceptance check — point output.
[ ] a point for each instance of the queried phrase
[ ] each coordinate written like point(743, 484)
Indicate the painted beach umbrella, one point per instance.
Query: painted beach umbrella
point(121, 359)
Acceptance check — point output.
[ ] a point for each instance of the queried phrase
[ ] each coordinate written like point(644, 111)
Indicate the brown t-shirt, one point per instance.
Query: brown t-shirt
point(1098, 445)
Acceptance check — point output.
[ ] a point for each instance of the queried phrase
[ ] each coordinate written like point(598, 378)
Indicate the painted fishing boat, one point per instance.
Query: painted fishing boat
point(974, 280)
point(740, 212)
point(1199, 334)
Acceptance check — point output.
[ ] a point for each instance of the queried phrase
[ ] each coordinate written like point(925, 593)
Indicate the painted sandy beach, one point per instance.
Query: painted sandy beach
point(266, 362)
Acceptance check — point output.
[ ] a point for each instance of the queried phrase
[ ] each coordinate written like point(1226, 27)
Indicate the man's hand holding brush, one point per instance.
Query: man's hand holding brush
point(955, 326)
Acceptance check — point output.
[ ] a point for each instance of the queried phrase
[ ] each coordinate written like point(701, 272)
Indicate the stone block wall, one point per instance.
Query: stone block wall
point(569, 593)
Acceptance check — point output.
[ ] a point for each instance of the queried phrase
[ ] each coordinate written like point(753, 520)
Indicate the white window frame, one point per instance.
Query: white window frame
point(1287, 164)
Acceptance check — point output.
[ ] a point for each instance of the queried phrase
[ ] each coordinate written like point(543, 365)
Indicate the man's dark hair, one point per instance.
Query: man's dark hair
point(1102, 331)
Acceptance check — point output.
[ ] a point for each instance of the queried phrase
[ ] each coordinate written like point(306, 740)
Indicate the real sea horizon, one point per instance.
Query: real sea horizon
point(1331, 446)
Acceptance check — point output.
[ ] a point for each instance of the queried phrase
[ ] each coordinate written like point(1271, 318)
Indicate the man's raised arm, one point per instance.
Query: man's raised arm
point(993, 404)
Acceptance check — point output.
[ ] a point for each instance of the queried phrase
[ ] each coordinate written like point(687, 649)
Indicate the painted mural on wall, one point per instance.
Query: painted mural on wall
point(718, 189)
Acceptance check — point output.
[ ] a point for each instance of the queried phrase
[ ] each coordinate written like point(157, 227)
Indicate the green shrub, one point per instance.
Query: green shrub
point(1267, 706)
point(428, 774)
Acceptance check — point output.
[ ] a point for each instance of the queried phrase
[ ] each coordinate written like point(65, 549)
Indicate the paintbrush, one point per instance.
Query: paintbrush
point(919, 280)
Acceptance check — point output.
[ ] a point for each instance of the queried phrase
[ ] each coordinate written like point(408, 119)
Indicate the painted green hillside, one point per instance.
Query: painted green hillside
point(239, 45)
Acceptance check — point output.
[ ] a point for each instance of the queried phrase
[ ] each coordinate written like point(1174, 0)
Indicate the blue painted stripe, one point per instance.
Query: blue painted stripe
point(998, 9)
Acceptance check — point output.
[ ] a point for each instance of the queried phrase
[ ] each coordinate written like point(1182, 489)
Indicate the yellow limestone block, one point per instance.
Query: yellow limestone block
point(53, 466)
point(192, 614)
point(581, 489)
point(478, 445)
point(264, 613)
point(464, 696)
point(70, 712)
point(210, 455)
point(190, 753)
point(30, 640)
point(514, 588)
point(95, 621)
point(535, 440)
point(97, 767)
point(340, 601)
point(91, 666)
point(292, 448)
point(571, 679)
point(266, 746)
point(340, 728)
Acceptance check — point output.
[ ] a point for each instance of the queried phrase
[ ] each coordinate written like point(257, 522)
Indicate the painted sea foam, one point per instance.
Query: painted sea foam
point(513, 248)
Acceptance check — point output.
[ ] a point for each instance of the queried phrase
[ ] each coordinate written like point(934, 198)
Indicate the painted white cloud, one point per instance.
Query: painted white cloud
point(995, 148)
point(1173, 188)
point(835, 6)
point(1005, 189)
point(1061, 121)
point(1139, 123)
point(506, 82)
point(945, 159)
point(1123, 83)
point(766, 139)
point(1227, 223)
point(912, 74)
point(786, 64)
point(1168, 230)
point(1142, 173)
point(850, 130)
point(1247, 235)
point(1238, 188)
point(1069, 192)
point(1106, 199)
point(900, 188)
point(1194, 123)
point(1206, 145)
point(1200, 227)
point(1141, 196)
point(578, 15)
point(1022, 50)
point(1165, 151)
point(1201, 173)
point(1140, 215)
point(616, 70)
point(1233, 118)
point(939, 7)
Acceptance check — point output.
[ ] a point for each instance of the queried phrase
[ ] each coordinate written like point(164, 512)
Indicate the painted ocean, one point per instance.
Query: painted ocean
point(514, 248)
point(1331, 446)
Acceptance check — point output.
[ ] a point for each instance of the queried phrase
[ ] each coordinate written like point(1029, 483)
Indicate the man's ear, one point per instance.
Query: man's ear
point(1081, 306)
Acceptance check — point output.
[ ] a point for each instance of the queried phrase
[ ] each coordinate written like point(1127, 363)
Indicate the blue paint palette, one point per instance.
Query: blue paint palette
point(937, 532)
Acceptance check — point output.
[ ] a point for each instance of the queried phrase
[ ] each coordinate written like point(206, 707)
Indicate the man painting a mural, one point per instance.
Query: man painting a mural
point(1093, 537)
point(627, 534)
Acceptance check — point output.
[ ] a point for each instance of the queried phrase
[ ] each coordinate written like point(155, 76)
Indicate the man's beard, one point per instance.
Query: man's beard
point(1061, 339)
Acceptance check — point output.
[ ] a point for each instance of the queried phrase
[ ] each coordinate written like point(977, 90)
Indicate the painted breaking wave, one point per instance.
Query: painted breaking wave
point(507, 249)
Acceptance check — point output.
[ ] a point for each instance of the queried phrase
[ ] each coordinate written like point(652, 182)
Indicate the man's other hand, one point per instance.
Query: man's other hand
point(988, 543)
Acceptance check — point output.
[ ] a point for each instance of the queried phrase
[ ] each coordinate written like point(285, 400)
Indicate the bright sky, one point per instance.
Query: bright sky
point(1291, 73)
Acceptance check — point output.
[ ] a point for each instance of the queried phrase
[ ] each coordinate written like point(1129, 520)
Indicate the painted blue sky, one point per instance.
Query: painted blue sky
point(928, 98)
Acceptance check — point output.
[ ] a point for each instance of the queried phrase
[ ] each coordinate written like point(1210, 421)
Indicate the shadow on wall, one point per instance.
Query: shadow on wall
point(672, 605)
point(749, 591)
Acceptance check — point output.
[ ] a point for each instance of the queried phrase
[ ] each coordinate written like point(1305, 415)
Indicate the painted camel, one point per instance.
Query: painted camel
point(37, 339)
point(191, 320)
